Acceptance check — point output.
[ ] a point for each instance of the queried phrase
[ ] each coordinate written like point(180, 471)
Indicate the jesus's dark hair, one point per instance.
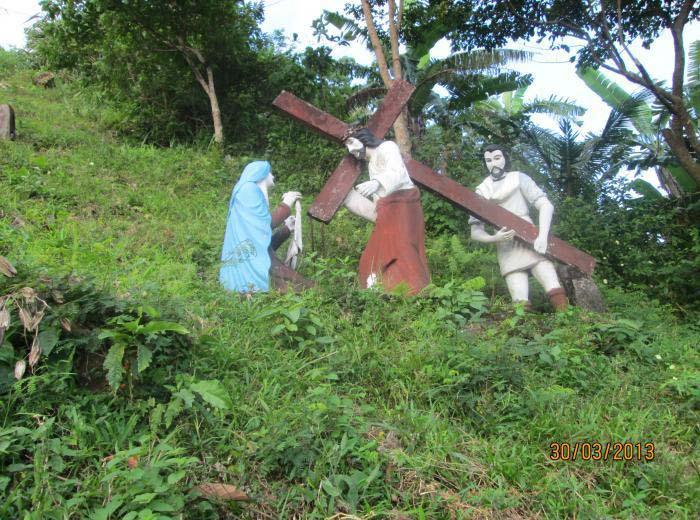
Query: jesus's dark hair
point(365, 136)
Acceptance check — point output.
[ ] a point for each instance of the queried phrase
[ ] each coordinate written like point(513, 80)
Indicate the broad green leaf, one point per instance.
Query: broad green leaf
point(214, 393)
point(163, 326)
point(683, 178)
point(144, 356)
point(607, 90)
point(186, 396)
point(176, 477)
point(104, 512)
point(143, 498)
point(174, 408)
point(329, 488)
point(114, 335)
point(113, 365)
point(619, 99)
point(423, 62)
point(48, 339)
point(162, 506)
point(277, 329)
point(293, 314)
point(645, 189)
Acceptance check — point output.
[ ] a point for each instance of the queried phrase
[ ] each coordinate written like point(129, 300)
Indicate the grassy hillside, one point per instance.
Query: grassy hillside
point(333, 403)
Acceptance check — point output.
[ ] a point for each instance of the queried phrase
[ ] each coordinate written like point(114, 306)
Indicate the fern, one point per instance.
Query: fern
point(143, 357)
point(113, 365)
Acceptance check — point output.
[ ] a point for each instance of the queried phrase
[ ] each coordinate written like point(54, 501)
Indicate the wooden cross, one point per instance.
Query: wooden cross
point(343, 179)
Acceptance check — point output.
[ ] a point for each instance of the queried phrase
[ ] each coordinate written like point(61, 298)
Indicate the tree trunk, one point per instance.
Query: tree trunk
point(669, 183)
point(206, 84)
point(401, 132)
point(403, 136)
point(680, 150)
point(215, 111)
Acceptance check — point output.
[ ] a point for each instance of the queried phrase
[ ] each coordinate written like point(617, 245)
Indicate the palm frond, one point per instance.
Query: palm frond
point(617, 98)
point(693, 80)
point(364, 97)
point(607, 152)
point(360, 114)
point(349, 28)
point(555, 106)
point(477, 61)
point(466, 90)
point(542, 145)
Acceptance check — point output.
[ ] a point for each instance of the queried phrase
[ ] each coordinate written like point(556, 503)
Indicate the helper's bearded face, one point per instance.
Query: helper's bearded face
point(495, 163)
point(356, 148)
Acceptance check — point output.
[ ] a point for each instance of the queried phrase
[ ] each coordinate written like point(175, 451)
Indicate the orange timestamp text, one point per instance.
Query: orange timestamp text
point(605, 451)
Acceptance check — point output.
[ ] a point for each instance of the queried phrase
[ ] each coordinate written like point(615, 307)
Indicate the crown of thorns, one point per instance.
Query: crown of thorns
point(351, 131)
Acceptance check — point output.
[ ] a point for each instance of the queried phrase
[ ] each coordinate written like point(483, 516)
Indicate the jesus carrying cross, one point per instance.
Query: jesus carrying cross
point(395, 252)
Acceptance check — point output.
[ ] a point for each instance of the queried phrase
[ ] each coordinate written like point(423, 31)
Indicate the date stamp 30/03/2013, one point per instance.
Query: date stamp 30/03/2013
point(603, 451)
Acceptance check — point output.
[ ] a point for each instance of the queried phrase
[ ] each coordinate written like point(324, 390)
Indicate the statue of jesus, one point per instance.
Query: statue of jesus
point(395, 252)
point(514, 191)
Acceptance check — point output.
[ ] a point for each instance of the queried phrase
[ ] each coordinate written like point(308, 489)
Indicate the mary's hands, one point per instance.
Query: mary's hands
point(290, 198)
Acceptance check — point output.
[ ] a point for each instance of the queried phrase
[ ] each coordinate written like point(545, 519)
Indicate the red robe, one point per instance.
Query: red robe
point(396, 249)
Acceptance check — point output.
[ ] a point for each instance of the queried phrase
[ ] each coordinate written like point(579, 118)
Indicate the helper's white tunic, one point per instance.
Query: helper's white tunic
point(513, 192)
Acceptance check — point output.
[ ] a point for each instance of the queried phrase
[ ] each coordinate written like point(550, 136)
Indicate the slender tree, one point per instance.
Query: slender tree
point(194, 29)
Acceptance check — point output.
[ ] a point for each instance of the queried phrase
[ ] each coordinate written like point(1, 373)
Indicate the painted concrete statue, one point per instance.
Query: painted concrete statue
point(395, 252)
point(515, 192)
point(7, 123)
point(248, 262)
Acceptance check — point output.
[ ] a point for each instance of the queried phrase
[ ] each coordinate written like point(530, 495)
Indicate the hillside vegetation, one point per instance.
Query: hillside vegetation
point(336, 402)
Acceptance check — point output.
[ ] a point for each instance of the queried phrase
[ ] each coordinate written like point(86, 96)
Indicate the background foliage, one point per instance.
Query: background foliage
point(335, 401)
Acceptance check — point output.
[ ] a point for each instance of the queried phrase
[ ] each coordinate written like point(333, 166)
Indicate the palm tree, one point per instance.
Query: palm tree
point(504, 118)
point(574, 167)
point(463, 77)
point(648, 121)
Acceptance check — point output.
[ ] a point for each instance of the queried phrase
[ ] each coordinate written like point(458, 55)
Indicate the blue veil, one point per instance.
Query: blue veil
point(244, 257)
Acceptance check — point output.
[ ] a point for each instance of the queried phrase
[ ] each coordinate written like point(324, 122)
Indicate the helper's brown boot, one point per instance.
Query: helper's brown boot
point(557, 297)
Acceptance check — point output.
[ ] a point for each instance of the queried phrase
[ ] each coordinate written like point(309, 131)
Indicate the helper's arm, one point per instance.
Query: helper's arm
point(546, 211)
point(479, 233)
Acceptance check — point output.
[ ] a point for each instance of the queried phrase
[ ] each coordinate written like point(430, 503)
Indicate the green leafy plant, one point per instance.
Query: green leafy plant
point(184, 396)
point(145, 483)
point(296, 325)
point(459, 302)
point(134, 342)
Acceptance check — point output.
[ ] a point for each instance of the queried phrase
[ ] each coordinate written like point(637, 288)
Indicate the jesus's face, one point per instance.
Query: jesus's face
point(495, 163)
point(356, 148)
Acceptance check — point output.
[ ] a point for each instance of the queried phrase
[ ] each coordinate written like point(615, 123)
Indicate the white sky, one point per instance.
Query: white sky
point(553, 73)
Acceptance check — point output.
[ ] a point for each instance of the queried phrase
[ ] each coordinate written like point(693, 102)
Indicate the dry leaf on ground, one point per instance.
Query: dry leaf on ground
point(7, 268)
point(223, 491)
point(20, 367)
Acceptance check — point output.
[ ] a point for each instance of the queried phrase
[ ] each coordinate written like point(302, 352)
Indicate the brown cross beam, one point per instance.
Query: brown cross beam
point(345, 175)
